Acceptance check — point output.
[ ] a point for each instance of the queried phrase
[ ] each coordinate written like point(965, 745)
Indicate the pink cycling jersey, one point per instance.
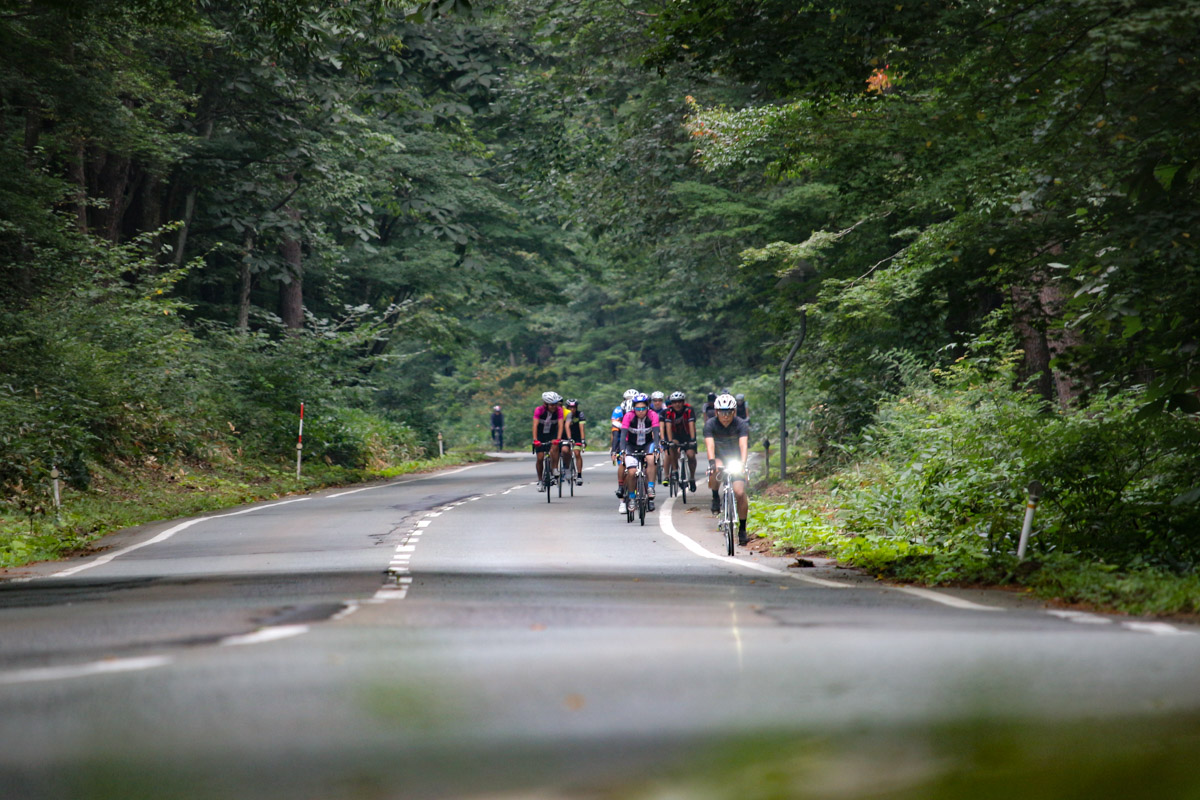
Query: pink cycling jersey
point(644, 430)
point(548, 421)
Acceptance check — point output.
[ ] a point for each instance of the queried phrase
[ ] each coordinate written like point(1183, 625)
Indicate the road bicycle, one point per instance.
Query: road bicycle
point(498, 437)
point(729, 522)
point(567, 474)
point(547, 480)
point(639, 502)
point(680, 472)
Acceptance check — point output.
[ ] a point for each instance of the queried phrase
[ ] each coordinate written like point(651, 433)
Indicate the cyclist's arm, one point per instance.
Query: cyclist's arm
point(534, 435)
point(582, 432)
point(710, 444)
point(560, 426)
point(744, 446)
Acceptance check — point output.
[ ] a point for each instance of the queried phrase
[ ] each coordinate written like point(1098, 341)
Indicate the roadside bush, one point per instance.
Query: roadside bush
point(947, 464)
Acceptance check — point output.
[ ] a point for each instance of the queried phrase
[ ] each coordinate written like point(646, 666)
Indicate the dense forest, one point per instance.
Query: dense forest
point(982, 216)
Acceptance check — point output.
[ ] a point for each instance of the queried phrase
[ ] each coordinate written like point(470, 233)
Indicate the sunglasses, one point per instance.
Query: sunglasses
point(724, 413)
point(640, 408)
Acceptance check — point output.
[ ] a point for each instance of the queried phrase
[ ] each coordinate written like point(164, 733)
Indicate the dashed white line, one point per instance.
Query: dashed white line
point(1081, 617)
point(270, 634)
point(1156, 628)
point(83, 670)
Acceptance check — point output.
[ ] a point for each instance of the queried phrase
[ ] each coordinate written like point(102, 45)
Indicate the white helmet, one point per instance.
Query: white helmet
point(677, 396)
point(629, 394)
point(725, 402)
point(550, 398)
point(657, 396)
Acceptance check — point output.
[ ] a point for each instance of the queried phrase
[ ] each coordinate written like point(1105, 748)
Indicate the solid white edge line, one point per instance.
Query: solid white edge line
point(162, 537)
point(944, 599)
point(83, 670)
point(668, 527)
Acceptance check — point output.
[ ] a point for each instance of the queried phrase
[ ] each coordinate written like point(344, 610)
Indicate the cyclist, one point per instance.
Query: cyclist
point(618, 415)
point(680, 430)
point(658, 405)
point(573, 429)
point(707, 408)
point(743, 410)
point(727, 438)
point(547, 433)
point(639, 439)
point(498, 427)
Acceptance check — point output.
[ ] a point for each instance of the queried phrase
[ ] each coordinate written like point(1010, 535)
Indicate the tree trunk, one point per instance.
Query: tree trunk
point(1038, 324)
point(243, 315)
point(291, 293)
point(189, 206)
point(79, 176)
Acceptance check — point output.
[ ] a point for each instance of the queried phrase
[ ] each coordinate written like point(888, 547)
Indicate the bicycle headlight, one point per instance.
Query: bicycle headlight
point(734, 467)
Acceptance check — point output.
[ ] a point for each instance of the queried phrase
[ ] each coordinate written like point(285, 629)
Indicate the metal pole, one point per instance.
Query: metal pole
point(1035, 493)
point(767, 450)
point(441, 447)
point(300, 440)
point(783, 395)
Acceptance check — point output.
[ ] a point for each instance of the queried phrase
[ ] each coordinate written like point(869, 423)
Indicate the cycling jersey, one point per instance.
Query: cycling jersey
point(638, 435)
point(572, 427)
point(679, 422)
point(618, 414)
point(547, 422)
point(726, 438)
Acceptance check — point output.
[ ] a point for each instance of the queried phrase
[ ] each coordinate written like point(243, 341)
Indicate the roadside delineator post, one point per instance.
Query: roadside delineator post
point(300, 440)
point(441, 446)
point(1034, 491)
point(54, 484)
point(767, 449)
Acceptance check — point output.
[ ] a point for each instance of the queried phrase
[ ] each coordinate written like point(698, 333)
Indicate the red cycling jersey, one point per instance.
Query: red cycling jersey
point(678, 420)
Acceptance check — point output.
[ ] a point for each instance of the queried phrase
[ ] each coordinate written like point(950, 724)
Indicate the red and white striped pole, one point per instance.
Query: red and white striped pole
point(300, 440)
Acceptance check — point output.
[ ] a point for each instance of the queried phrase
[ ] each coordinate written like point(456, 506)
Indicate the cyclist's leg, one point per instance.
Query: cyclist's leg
point(743, 507)
point(691, 457)
point(630, 460)
point(651, 468)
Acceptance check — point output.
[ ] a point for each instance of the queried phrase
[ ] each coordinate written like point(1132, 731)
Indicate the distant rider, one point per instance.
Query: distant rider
point(498, 427)
point(574, 425)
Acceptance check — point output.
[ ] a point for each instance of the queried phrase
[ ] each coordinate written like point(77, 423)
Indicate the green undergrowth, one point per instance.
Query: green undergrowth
point(124, 496)
point(1069, 578)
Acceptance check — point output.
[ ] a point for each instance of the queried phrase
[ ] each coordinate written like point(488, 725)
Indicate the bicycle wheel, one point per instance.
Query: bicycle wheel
point(683, 477)
point(643, 489)
point(571, 475)
point(729, 516)
point(546, 480)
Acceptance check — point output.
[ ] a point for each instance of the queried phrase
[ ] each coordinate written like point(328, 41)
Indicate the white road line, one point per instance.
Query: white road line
point(1081, 617)
point(271, 634)
point(944, 599)
point(1157, 628)
point(162, 537)
point(668, 527)
point(423, 523)
point(83, 670)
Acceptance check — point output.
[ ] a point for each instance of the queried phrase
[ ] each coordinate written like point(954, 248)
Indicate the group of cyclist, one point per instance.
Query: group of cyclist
point(645, 425)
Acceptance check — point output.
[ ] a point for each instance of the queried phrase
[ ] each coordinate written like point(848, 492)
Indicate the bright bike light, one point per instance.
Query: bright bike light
point(734, 466)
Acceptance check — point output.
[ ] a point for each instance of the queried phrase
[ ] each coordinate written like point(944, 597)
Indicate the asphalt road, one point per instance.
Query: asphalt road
point(454, 635)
